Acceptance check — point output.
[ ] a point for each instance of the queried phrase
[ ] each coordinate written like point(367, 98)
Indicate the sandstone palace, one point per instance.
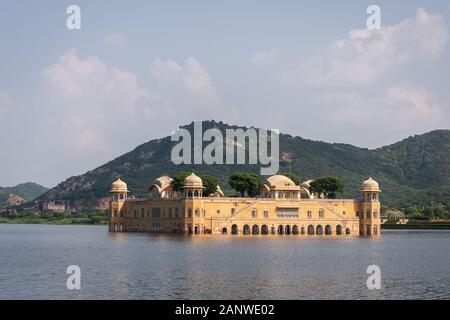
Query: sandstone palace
point(282, 207)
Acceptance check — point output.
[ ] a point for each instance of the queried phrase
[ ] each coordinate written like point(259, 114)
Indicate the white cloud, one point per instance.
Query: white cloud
point(114, 40)
point(365, 89)
point(371, 118)
point(417, 100)
point(197, 79)
point(88, 112)
point(191, 75)
point(265, 58)
point(165, 70)
point(89, 98)
point(91, 84)
point(366, 55)
point(182, 88)
point(100, 104)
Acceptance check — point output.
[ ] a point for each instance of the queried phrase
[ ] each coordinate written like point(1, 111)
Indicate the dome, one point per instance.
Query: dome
point(307, 184)
point(279, 181)
point(370, 185)
point(162, 183)
point(193, 181)
point(119, 186)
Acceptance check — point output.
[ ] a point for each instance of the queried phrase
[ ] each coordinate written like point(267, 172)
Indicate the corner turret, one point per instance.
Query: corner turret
point(369, 213)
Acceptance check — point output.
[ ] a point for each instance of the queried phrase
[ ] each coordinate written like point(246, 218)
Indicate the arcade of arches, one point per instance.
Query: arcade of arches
point(288, 229)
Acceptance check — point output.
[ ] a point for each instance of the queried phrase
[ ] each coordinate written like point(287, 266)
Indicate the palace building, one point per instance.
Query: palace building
point(282, 207)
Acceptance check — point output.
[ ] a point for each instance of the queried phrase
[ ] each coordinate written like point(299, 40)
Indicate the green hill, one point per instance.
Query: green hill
point(20, 193)
point(413, 171)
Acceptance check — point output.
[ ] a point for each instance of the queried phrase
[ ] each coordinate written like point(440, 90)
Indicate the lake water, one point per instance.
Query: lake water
point(34, 259)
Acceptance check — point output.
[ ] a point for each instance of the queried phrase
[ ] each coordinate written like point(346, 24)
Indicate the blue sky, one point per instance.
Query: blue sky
point(71, 100)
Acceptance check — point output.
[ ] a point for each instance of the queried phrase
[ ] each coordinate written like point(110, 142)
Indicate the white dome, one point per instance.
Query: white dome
point(193, 181)
point(119, 186)
point(370, 185)
point(279, 181)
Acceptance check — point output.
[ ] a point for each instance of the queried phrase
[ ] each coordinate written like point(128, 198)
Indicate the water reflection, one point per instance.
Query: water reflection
point(414, 264)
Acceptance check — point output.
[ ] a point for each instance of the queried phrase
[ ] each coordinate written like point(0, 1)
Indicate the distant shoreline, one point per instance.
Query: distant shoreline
point(421, 226)
point(67, 221)
point(54, 223)
point(57, 218)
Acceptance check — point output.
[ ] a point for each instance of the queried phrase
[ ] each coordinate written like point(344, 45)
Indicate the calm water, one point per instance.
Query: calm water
point(34, 258)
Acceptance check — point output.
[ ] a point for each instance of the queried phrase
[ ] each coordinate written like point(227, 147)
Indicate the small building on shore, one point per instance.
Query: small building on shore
point(8, 213)
point(52, 205)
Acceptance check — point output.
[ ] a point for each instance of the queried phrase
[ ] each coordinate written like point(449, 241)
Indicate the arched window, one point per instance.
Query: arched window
point(319, 230)
point(347, 231)
point(234, 229)
point(287, 229)
point(328, 230)
point(246, 229)
point(295, 229)
point(264, 229)
point(311, 230)
point(338, 230)
point(255, 229)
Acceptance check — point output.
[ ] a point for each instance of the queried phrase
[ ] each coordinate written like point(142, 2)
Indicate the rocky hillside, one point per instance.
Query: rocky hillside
point(413, 171)
point(12, 196)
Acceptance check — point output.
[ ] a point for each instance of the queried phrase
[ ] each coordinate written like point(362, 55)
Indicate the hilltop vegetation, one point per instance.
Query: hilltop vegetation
point(415, 171)
point(10, 196)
